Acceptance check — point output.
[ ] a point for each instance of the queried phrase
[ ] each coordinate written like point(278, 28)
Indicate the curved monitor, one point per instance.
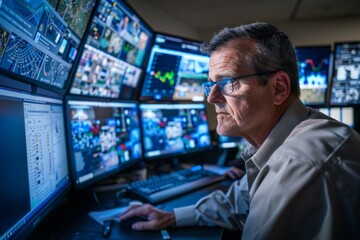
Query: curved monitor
point(313, 64)
point(175, 70)
point(33, 167)
point(345, 88)
point(116, 47)
point(104, 138)
point(40, 39)
point(174, 129)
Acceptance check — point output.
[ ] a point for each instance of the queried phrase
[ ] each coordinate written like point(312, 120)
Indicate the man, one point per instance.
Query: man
point(302, 168)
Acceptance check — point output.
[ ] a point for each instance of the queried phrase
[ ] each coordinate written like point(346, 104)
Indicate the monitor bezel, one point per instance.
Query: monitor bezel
point(61, 194)
point(329, 72)
point(84, 43)
point(98, 178)
point(140, 97)
point(176, 155)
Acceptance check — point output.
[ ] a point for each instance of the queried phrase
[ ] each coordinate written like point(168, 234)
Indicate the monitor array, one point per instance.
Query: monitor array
point(88, 89)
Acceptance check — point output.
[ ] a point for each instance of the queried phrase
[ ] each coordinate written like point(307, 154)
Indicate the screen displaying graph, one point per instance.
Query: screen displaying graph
point(313, 64)
point(175, 70)
point(162, 77)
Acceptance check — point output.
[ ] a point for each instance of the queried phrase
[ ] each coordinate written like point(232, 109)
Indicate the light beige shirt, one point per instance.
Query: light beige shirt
point(302, 183)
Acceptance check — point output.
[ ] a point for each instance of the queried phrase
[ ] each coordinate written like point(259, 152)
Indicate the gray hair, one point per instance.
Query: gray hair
point(274, 50)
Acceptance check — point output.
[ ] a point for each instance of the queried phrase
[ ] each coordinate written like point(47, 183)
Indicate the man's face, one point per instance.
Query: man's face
point(248, 110)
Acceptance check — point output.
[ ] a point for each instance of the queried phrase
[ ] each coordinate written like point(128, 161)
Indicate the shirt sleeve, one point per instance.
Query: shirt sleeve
point(218, 209)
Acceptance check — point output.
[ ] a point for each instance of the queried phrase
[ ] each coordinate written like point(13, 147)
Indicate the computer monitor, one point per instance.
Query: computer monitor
point(114, 54)
point(342, 114)
point(174, 129)
point(175, 70)
point(104, 138)
point(314, 64)
point(229, 149)
point(345, 89)
point(231, 142)
point(33, 168)
point(39, 40)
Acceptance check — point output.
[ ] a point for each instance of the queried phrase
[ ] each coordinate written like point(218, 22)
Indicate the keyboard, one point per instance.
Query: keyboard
point(163, 187)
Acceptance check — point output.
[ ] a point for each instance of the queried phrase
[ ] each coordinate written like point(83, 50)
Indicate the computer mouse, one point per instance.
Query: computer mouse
point(127, 223)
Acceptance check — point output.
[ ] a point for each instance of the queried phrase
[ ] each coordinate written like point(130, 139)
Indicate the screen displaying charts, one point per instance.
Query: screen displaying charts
point(39, 40)
point(114, 53)
point(313, 64)
point(345, 87)
point(175, 70)
point(33, 167)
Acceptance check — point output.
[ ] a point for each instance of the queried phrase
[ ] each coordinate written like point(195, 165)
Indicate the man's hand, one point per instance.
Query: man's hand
point(234, 173)
point(157, 219)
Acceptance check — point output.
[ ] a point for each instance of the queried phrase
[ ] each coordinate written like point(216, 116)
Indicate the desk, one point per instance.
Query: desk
point(71, 220)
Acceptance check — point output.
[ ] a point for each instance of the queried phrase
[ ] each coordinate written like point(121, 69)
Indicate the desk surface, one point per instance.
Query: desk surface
point(71, 220)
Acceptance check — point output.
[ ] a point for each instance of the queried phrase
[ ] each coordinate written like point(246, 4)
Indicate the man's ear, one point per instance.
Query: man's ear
point(282, 85)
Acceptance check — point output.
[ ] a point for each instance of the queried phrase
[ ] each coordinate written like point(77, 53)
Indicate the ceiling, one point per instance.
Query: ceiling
point(207, 14)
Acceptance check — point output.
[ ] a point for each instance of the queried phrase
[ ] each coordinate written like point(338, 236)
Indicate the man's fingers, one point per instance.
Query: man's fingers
point(144, 225)
point(231, 174)
point(129, 212)
point(136, 210)
point(235, 173)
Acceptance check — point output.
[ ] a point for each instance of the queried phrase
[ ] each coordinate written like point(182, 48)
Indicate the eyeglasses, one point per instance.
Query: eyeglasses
point(226, 84)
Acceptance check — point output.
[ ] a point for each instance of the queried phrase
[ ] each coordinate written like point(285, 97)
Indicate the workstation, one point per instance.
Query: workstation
point(102, 107)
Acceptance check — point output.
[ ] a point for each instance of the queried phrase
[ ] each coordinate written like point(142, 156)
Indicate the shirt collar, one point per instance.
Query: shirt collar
point(296, 113)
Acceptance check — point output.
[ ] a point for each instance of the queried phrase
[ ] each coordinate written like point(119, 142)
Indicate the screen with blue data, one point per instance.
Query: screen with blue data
point(39, 39)
point(314, 65)
point(345, 89)
point(175, 70)
point(231, 142)
point(174, 129)
point(33, 166)
point(114, 53)
point(105, 138)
